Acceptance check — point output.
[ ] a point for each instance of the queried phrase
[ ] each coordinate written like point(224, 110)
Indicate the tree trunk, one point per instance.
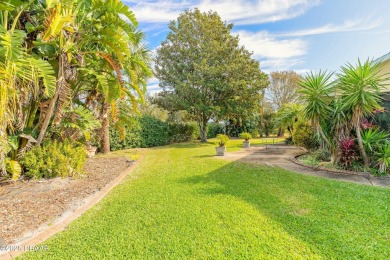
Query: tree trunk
point(105, 130)
point(280, 132)
point(319, 128)
point(361, 147)
point(53, 102)
point(203, 129)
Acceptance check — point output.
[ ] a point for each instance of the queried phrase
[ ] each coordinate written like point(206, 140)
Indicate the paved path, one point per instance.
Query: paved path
point(282, 156)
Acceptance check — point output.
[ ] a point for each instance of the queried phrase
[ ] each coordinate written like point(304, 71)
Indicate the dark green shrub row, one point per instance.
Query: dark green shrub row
point(54, 159)
point(148, 131)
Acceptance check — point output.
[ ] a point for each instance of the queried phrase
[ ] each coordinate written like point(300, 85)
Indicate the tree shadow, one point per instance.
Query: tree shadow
point(322, 213)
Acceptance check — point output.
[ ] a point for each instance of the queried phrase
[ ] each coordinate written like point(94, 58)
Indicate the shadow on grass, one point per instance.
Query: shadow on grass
point(325, 214)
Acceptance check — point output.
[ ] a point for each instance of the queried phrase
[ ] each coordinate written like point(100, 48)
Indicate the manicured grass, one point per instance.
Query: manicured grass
point(182, 202)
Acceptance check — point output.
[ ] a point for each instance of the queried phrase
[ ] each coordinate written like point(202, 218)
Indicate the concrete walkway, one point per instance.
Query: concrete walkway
point(283, 156)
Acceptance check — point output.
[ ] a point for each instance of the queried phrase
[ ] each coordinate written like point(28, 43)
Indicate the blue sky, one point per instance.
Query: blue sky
point(298, 35)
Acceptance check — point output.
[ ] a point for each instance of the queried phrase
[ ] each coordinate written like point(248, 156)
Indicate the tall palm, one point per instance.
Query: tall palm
point(361, 85)
point(316, 90)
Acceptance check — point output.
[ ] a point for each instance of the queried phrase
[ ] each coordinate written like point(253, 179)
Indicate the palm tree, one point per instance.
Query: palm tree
point(316, 93)
point(360, 86)
point(288, 115)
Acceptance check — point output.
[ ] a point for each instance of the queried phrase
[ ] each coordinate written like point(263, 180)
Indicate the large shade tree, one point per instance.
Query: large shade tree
point(203, 70)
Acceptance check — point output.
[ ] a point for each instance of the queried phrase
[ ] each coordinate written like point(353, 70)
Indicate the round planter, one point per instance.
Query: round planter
point(247, 144)
point(91, 151)
point(220, 150)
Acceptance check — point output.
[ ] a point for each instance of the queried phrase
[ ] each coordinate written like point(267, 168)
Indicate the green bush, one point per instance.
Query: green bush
point(154, 132)
point(245, 136)
point(213, 129)
point(149, 131)
point(222, 139)
point(255, 133)
point(132, 138)
point(183, 132)
point(304, 136)
point(54, 159)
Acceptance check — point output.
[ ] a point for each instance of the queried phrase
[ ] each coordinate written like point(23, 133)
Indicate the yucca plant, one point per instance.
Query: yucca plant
point(373, 138)
point(383, 157)
point(316, 90)
point(360, 85)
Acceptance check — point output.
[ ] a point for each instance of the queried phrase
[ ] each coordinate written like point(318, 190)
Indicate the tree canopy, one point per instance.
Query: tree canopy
point(202, 69)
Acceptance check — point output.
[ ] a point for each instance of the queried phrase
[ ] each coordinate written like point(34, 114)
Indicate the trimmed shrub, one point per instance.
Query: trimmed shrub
point(132, 138)
point(154, 132)
point(303, 135)
point(54, 159)
point(149, 131)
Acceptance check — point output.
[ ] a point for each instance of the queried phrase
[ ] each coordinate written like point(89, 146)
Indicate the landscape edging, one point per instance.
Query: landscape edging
point(363, 174)
point(58, 227)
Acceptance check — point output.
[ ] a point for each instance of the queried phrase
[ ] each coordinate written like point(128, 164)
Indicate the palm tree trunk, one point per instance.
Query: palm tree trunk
point(361, 147)
point(53, 101)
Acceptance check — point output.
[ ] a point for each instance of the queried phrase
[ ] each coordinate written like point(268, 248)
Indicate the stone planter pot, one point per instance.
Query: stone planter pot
point(220, 150)
point(247, 144)
point(91, 151)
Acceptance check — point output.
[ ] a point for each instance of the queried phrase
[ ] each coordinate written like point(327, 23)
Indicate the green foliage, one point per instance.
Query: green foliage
point(373, 138)
point(288, 115)
point(246, 136)
point(154, 132)
point(304, 136)
point(213, 129)
point(316, 91)
point(222, 139)
point(383, 158)
point(148, 131)
point(182, 132)
point(203, 70)
point(54, 159)
point(255, 133)
point(13, 167)
point(132, 137)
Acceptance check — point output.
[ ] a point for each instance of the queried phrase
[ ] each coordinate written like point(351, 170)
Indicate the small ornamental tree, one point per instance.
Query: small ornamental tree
point(203, 70)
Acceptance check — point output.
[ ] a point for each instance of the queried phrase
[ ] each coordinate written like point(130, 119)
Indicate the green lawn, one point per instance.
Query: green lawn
point(181, 202)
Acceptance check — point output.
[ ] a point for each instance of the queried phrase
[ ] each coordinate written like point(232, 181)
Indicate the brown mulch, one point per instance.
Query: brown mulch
point(27, 205)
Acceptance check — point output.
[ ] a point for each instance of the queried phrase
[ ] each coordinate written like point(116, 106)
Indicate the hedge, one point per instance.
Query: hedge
point(149, 131)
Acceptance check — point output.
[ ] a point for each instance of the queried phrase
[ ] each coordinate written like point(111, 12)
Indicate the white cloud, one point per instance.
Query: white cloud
point(347, 26)
point(159, 11)
point(265, 45)
point(257, 12)
point(237, 11)
point(273, 53)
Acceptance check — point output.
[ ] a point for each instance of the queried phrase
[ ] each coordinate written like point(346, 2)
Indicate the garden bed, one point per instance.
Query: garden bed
point(28, 206)
point(327, 167)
